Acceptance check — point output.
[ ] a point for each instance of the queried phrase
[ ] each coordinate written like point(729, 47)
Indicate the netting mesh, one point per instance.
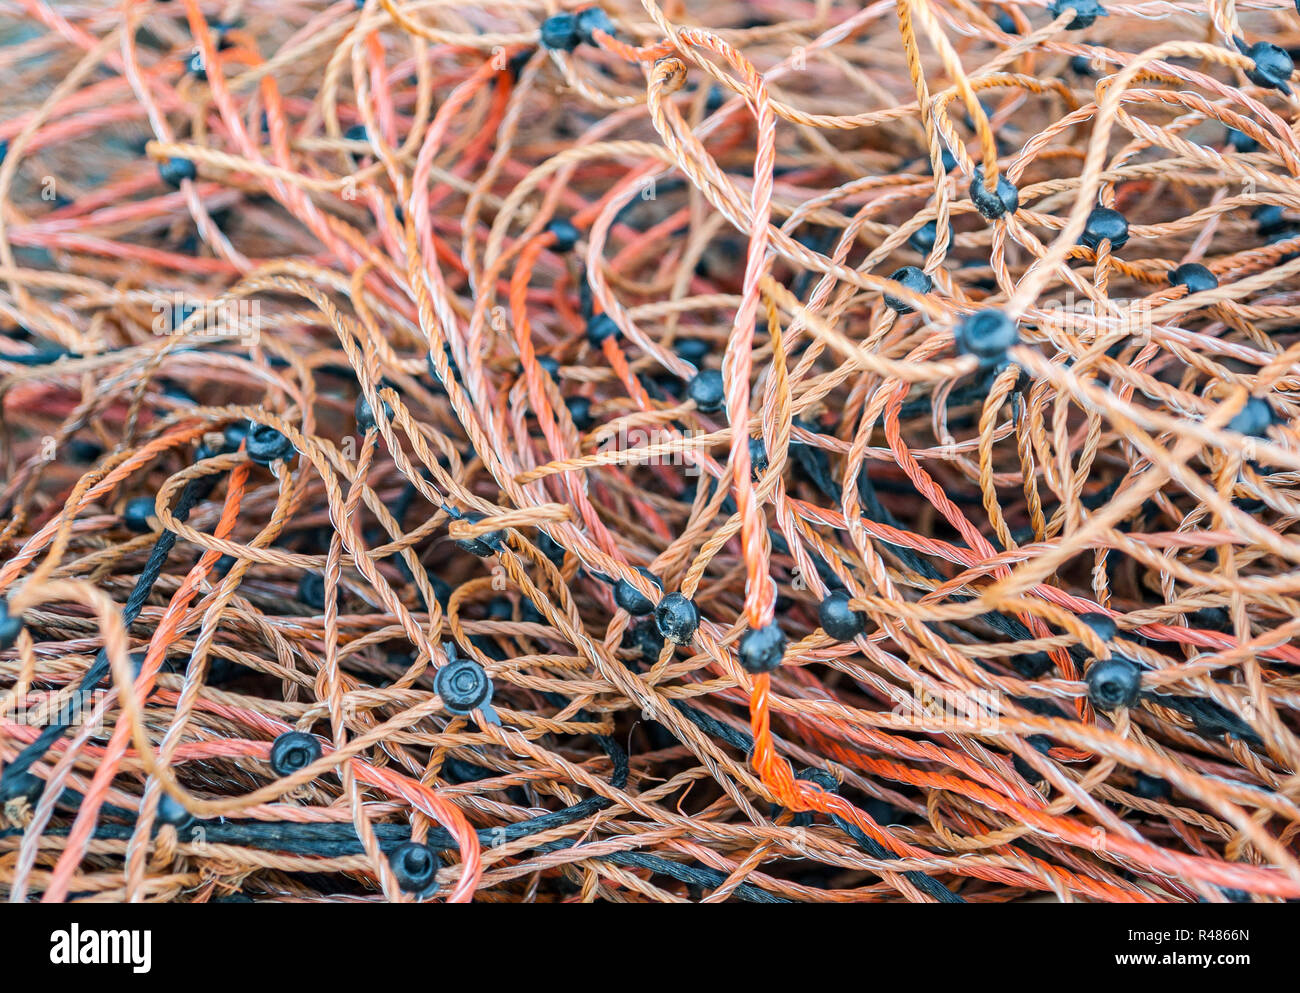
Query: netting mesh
point(776, 451)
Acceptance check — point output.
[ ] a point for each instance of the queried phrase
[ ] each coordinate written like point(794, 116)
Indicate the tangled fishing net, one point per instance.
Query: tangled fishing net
point(775, 451)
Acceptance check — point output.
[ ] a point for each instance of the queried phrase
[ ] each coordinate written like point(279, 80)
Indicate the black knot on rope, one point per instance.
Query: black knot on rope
point(677, 618)
point(838, 619)
point(1272, 67)
point(293, 751)
point(174, 170)
point(1196, 277)
point(1086, 12)
point(762, 649)
point(1113, 683)
point(708, 391)
point(564, 235)
point(559, 32)
point(267, 445)
point(986, 334)
point(911, 278)
point(992, 205)
point(415, 867)
point(1104, 224)
point(629, 598)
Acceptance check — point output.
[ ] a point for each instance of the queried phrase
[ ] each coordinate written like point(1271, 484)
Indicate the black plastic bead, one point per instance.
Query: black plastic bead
point(762, 649)
point(234, 435)
point(311, 590)
point(757, 456)
point(915, 280)
point(1104, 224)
point(1081, 65)
point(1269, 218)
point(173, 812)
point(677, 618)
point(600, 327)
point(838, 620)
point(580, 411)
point(267, 445)
point(463, 686)
point(1102, 624)
point(1085, 12)
point(560, 32)
point(1195, 277)
point(174, 170)
point(923, 238)
point(1241, 142)
point(1273, 66)
point(986, 334)
point(292, 751)
point(708, 391)
point(549, 547)
point(10, 626)
point(1113, 683)
point(1253, 419)
point(550, 365)
point(564, 233)
point(137, 513)
point(693, 350)
point(1151, 787)
point(629, 598)
point(590, 20)
point(1005, 22)
point(1210, 618)
point(357, 132)
point(485, 544)
point(365, 414)
point(1032, 665)
point(415, 867)
point(1006, 200)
